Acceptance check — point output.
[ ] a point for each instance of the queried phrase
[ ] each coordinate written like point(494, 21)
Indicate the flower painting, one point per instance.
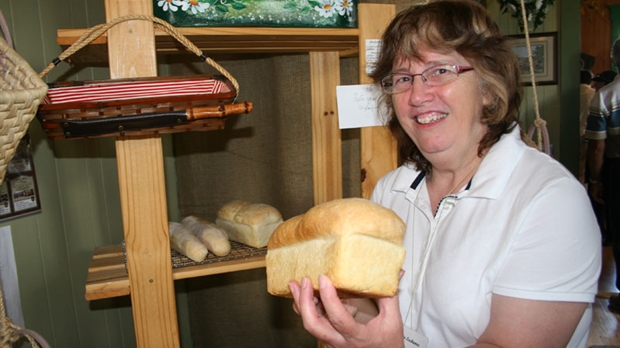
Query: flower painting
point(291, 13)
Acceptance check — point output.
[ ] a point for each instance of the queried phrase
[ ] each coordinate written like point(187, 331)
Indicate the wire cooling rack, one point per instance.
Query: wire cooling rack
point(237, 251)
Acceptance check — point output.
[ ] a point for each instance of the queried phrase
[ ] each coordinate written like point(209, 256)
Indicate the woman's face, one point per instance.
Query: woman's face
point(443, 121)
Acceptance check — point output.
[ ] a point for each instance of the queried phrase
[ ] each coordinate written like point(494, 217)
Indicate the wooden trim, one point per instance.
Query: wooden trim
point(378, 147)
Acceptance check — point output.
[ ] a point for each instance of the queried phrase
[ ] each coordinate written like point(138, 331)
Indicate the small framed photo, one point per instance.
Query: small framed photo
point(544, 57)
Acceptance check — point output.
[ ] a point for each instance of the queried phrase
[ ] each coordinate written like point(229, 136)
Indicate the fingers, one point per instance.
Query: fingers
point(314, 314)
point(350, 308)
point(388, 305)
point(338, 316)
point(389, 311)
point(333, 321)
point(295, 288)
point(295, 291)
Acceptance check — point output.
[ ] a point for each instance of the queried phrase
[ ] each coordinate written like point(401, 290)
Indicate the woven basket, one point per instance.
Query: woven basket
point(21, 92)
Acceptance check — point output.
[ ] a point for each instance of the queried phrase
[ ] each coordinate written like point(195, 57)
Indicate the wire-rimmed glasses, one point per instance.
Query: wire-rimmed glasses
point(434, 76)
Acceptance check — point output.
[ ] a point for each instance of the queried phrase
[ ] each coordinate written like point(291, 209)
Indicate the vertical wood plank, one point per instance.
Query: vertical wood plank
point(131, 49)
point(326, 138)
point(378, 147)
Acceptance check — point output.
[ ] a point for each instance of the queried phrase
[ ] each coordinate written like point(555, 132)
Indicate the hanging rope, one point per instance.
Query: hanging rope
point(98, 30)
point(11, 332)
point(542, 136)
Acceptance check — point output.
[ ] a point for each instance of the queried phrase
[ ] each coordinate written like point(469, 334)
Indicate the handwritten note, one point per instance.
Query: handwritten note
point(358, 106)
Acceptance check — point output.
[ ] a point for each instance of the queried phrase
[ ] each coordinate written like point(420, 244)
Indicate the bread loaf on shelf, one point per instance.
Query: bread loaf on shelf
point(248, 223)
point(358, 244)
point(185, 242)
point(210, 235)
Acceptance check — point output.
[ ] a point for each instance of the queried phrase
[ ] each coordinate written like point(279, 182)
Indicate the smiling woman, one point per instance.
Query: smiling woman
point(483, 266)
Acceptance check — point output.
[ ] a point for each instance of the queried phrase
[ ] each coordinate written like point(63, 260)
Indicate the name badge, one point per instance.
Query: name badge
point(414, 339)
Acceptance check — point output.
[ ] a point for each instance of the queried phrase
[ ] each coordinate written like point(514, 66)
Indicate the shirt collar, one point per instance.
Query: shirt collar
point(491, 177)
point(496, 167)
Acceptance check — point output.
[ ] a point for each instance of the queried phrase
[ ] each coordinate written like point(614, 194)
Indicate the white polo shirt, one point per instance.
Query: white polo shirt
point(523, 227)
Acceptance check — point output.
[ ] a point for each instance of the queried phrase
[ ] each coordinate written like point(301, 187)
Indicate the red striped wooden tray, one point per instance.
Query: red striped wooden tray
point(124, 107)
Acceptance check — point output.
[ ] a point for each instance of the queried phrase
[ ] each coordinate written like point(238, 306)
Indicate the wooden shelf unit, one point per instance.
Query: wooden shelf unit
point(131, 49)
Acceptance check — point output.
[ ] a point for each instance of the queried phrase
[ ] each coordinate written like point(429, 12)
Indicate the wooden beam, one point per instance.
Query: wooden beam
point(378, 147)
point(131, 50)
point(326, 138)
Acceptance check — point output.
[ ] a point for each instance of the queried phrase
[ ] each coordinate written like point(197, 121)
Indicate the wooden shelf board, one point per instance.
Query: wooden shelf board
point(107, 276)
point(238, 40)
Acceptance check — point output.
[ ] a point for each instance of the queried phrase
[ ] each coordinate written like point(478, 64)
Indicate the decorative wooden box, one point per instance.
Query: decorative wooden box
point(265, 13)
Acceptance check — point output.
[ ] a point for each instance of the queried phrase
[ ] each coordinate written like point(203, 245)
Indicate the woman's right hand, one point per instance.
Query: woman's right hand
point(329, 320)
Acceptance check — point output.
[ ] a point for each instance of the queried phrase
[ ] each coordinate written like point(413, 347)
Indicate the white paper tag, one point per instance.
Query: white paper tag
point(358, 106)
point(414, 339)
point(373, 49)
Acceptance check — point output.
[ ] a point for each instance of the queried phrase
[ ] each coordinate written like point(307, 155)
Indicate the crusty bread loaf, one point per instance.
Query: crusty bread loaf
point(248, 223)
point(210, 235)
point(358, 244)
point(186, 243)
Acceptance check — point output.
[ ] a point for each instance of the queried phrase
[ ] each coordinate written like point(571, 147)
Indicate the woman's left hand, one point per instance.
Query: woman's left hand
point(336, 327)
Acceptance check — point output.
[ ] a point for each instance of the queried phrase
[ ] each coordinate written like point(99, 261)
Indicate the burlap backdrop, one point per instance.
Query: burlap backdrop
point(262, 157)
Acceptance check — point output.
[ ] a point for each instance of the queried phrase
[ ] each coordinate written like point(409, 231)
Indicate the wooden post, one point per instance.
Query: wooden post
point(131, 47)
point(326, 139)
point(378, 147)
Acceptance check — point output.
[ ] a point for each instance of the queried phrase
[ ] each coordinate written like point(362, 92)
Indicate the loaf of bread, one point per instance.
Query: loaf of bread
point(185, 242)
point(210, 235)
point(248, 223)
point(358, 244)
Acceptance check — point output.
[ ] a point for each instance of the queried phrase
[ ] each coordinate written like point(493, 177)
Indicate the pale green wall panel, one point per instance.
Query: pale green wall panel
point(75, 179)
point(53, 251)
point(569, 67)
point(31, 275)
point(78, 184)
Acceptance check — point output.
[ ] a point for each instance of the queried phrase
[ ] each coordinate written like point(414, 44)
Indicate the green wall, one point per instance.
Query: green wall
point(78, 186)
point(558, 104)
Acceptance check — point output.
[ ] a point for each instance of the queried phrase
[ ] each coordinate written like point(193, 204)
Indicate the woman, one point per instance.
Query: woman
point(503, 249)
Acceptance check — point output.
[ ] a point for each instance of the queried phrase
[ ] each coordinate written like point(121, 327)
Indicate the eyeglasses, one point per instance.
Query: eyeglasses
point(434, 76)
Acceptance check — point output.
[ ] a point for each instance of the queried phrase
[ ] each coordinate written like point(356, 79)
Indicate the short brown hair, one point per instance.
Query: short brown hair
point(466, 27)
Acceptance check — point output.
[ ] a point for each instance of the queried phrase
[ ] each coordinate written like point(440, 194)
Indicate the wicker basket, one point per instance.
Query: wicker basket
point(21, 92)
point(100, 112)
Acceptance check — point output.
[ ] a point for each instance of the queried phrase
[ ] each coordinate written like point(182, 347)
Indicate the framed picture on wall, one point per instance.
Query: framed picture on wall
point(544, 57)
point(19, 192)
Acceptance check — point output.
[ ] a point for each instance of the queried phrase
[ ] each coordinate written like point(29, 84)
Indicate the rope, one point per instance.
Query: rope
point(539, 122)
point(11, 332)
point(98, 30)
point(5, 30)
